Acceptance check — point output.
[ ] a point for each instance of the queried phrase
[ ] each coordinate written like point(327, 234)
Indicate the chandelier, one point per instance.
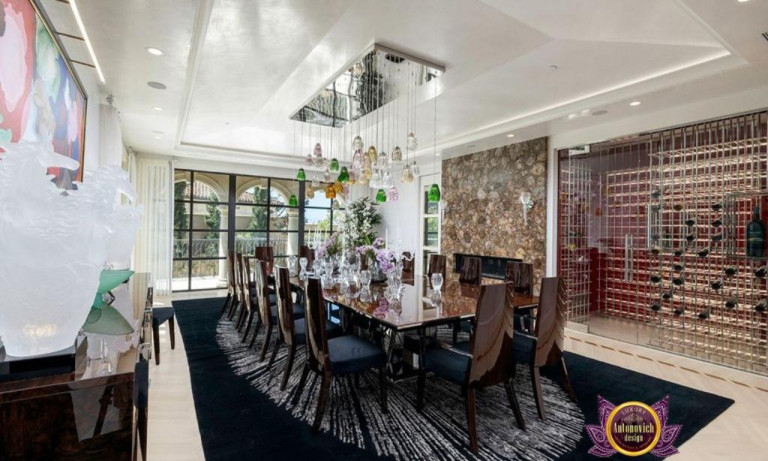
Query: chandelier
point(357, 124)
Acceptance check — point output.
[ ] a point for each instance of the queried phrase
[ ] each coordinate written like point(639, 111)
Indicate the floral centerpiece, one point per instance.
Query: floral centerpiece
point(331, 247)
point(380, 259)
point(358, 223)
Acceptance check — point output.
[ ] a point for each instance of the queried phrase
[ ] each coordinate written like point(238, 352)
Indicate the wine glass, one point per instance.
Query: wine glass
point(353, 285)
point(292, 265)
point(365, 278)
point(437, 281)
point(303, 263)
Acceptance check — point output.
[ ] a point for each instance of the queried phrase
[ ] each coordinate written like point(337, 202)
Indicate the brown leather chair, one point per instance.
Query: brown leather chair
point(243, 292)
point(309, 253)
point(409, 271)
point(267, 254)
point(471, 271)
point(545, 348)
point(486, 360)
point(251, 299)
point(345, 355)
point(436, 264)
point(520, 274)
point(264, 305)
point(231, 285)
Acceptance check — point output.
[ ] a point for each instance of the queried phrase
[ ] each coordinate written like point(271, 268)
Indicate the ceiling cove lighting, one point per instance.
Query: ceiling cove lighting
point(158, 108)
point(79, 20)
point(155, 51)
point(510, 135)
point(635, 103)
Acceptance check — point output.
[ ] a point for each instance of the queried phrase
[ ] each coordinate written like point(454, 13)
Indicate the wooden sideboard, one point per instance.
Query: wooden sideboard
point(88, 414)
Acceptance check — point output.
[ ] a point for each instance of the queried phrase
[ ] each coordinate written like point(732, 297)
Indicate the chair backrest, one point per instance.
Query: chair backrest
point(243, 280)
point(239, 275)
point(436, 264)
point(550, 322)
point(314, 316)
point(284, 304)
point(267, 254)
point(309, 253)
point(231, 282)
point(262, 291)
point(521, 276)
point(471, 270)
point(491, 340)
point(408, 266)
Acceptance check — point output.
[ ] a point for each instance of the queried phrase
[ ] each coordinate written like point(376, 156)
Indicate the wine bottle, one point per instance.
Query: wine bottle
point(760, 307)
point(656, 250)
point(717, 237)
point(717, 223)
point(667, 295)
point(678, 281)
point(703, 253)
point(656, 193)
point(732, 302)
point(760, 272)
point(690, 237)
point(679, 252)
point(703, 315)
point(717, 207)
point(678, 268)
point(690, 222)
point(716, 285)
point(730, 271)
point(655, 278)
point(656, 307)
point(755, 235)
point(677, 207)
point(679, 311)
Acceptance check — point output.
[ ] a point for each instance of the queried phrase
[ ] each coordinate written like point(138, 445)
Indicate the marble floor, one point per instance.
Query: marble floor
point(738, 434)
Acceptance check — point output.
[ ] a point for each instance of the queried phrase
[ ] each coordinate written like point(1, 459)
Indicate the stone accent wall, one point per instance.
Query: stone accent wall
point(483, 213)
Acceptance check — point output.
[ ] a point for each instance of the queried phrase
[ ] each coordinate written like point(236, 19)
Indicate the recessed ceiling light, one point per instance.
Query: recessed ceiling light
point(743, 1)
point(155, 51)
point(635, 103)
point(158, 108)
point(572, 116)
point(510, 135)
point(157, 85)
point(157, 136)
point(81, 26)
point(585, 112)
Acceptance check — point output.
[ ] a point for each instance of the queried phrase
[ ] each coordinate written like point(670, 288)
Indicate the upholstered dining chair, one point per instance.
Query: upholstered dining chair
point(247, 288)
point(484, 361)
point(160, 315)
point(436, 264)
point(264, 305)
point(345, 355)
point(309, 253)
point(409, 272)
point(293, 331)
point(545, 348)
point(238, 272)
point(231, 286)
point(267, 254)
point(520, 276)
point(471, 270)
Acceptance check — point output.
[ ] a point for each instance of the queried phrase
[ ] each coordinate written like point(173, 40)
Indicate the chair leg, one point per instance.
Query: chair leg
point(248, 326)
point(255, 332)
point(241, 319)
point(226, 303)
point(288, 366)
point(322, 401)
point(156, 340)
point(456, 327)
point(274, 353)
point(302, 383)
point(235, 304)
point(567, 380)
point(420, 389)
point(172, 329)
point(383, 389)
point(509, 385)
point(471, 420)
point(537, 395)
point(265, 346)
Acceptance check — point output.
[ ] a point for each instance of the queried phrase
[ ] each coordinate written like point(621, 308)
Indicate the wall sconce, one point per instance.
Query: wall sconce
point(525, 199)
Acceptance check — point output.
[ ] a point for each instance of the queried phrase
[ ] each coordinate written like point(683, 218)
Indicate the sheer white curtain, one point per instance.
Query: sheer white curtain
point(153, 253)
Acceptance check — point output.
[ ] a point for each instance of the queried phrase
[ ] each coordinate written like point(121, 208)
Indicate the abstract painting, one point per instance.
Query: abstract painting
point(41, 97)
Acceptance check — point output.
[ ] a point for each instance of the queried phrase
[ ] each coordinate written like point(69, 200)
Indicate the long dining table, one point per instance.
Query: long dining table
point(415, 313)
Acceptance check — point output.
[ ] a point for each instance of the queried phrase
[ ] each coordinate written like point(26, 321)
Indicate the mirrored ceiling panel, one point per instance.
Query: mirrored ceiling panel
point(379, 76)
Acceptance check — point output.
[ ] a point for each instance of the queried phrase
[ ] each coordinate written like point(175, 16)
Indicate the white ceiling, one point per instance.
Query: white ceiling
point(237, 69)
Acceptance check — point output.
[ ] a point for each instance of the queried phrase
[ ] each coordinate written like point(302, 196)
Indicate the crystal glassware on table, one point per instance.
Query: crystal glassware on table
point(292, 265)
point(303, 263)
point(437, 285)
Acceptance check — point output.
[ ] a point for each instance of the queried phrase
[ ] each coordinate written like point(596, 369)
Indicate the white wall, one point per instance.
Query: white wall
point(724, 106)
point(91, 157)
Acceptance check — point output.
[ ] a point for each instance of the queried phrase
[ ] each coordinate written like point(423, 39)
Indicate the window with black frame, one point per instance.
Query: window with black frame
point(430, 228)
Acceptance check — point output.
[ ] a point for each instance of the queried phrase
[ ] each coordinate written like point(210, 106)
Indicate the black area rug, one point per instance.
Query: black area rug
point(242, 414)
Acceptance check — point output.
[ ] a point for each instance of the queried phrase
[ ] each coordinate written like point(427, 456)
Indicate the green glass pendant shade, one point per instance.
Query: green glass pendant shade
point(293, 201)
point(301, 175)
point(334, 165)
point(344, 175)
point(109, 279)
point(106, 320)
point(381, 196)
point(434, 193)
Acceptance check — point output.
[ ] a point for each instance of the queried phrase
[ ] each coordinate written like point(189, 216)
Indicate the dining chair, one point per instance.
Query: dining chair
point(345, 355)
point(486, 360)
point(160, 315)
point(520, 275)
point(267, 254)
point(264, 305)
point(231, 289)
point(309, 253)
point(238, 280)
point(293, 331)
point(248, 289)
point(242, 290)
point(409, 271)
point(545, 347)
point(436, 264)
point(471, 270)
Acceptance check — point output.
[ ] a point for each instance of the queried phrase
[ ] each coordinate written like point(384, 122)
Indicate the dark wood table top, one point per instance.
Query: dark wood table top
point(416, 310)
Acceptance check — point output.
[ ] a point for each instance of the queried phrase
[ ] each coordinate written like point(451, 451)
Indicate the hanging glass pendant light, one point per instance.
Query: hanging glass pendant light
point(334, 165)
point(413, 143)
point(397, 155)
point(383, 160)
point(357, 159)
point(344, 175)
point(301, 175)
point(310, 193)
point(415, 169)
point(357, 144)
point(315, 183)
point(330, 192)
point(352, 177)
point(393, 195)
point(293, 201)
point(381, 196)
point(337, 187)
point(406, 176)
point(318, 151)
point(434, 193)
point(327, 175)
point(372, 155)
